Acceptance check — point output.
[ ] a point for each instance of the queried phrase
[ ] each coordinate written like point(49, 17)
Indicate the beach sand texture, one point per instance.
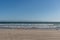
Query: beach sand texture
point(29, 34)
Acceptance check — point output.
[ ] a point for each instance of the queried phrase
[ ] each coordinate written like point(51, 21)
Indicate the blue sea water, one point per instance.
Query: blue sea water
point(49, 25)
point(29, 25)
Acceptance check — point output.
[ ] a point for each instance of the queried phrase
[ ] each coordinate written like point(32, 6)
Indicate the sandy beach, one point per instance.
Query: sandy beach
point(29, 34)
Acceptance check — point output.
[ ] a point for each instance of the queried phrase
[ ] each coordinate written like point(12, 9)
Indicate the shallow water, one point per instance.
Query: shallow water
point(29, 26)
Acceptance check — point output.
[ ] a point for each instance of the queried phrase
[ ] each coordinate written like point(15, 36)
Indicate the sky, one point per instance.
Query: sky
point(30, 10)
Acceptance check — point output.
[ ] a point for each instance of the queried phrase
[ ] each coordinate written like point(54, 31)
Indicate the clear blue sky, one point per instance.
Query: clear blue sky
point(29, 10)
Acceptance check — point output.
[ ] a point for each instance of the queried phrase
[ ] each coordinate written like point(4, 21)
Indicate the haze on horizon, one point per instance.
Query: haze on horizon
point(30, 10)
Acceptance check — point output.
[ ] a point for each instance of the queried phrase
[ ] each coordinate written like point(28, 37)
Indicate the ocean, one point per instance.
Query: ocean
point(31, 25)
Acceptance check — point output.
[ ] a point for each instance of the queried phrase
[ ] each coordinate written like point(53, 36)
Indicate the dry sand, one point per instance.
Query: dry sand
point(29, 34)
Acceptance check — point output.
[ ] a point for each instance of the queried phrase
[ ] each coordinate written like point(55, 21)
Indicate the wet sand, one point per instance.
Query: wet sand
point(29, 34)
